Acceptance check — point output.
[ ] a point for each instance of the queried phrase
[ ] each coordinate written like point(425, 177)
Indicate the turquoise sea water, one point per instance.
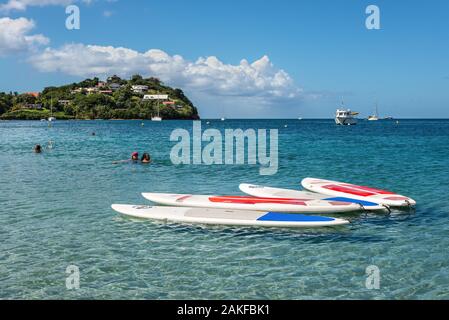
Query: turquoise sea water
point(55, 211)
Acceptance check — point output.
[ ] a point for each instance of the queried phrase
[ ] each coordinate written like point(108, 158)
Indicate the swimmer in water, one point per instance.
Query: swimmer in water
point(145, 158)
point(134, 158)
point(37, 148)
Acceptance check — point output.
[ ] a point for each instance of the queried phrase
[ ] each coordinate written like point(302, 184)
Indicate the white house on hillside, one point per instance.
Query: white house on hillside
point(114, 86)
point(92, 90)
point(155, 97)
point(139, 88)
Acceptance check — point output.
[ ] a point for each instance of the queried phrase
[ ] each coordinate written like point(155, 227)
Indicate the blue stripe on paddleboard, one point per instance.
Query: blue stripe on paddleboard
point(276, 216)
point(343, 199)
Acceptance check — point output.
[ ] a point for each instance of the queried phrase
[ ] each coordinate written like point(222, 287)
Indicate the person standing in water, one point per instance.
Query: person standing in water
point(145, 158)
point(37, 148)
point(135, 156)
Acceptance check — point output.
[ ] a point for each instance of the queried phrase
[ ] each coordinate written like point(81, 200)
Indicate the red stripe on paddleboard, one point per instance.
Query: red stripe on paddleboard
point(379, 191)
point(396, 198)
point(356, 192)
point(250, 200)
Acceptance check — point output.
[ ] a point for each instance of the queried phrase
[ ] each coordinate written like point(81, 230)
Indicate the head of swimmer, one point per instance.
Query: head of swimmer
point(37, 148)
point(145, 158)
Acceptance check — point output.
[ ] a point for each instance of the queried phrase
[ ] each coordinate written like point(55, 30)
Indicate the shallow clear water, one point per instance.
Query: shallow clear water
point(55, 211)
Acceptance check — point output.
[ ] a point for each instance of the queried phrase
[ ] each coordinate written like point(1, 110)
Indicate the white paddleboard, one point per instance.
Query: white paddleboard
point(269, 192)
point(303, 205)
point(341, 189)
point(226, 217)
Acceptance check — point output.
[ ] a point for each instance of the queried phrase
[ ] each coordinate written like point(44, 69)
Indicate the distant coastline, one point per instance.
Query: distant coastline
point(137, 98)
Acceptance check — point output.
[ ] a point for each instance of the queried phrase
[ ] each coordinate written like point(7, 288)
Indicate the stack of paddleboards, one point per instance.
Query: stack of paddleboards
point(268, 207)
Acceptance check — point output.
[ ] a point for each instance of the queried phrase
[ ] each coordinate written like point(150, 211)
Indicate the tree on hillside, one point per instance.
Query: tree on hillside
point(123, 97)
point(154, 80)
point(115, 79)
point(6, 102)
point(89, 83)
point(85, 105)
point(3, 106)
point(137, 79)
point(179, 94)
point(24, 99)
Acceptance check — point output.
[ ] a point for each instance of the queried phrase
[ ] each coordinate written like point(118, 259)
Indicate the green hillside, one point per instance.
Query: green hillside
point(94, 99)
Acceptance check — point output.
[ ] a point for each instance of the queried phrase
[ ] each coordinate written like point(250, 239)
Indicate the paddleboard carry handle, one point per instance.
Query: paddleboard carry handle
point(410, 207)
point(387, 207)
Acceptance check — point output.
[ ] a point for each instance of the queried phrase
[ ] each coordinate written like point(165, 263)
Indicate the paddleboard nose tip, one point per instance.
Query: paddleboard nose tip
point(342, 221)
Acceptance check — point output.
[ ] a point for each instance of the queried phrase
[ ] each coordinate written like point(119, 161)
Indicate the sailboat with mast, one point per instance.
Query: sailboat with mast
point(222, 114)
point(51, 118)
point(375, 116)
point(158, 117)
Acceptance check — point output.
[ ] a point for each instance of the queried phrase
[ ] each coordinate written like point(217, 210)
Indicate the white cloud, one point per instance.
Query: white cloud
point(107, 13)
point(15, 37)
point(22, 5)
point(206, 75)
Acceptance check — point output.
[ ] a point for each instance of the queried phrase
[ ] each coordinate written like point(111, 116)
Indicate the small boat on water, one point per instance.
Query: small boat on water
point(51, 118)
point(158, 117)
point(345, 117)
point(375, 116)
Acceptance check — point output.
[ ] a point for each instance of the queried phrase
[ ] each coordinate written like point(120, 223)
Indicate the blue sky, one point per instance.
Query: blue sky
point(310, 54)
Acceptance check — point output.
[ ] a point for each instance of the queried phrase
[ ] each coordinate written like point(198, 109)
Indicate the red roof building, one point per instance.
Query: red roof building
point(34, 94)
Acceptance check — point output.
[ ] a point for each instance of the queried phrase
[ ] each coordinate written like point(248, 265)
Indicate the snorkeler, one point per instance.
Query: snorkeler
point(37, 148)
point(135, 156)
point(145, 158)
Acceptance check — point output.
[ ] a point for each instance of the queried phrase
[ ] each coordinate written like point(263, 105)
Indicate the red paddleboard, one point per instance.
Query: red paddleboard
point(307, 205)
point(342, 189)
